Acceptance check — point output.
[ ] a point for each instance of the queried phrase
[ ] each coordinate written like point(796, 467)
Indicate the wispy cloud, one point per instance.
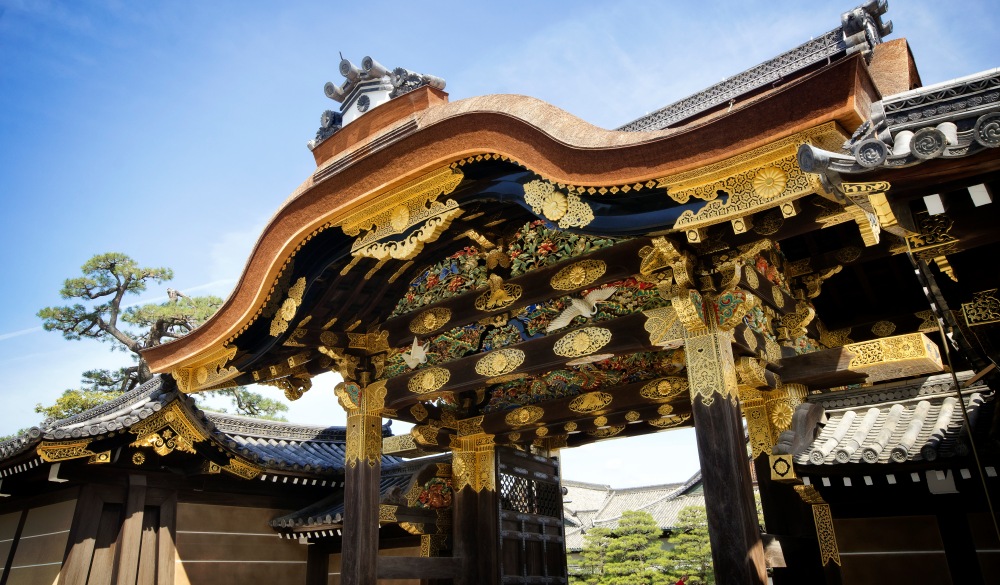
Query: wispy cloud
point(14, 334)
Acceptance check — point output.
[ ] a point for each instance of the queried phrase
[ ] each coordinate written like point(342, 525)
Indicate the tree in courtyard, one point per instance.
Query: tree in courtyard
point(100, 312)
point(593, 557)
point(634, 555)
point(691, 554)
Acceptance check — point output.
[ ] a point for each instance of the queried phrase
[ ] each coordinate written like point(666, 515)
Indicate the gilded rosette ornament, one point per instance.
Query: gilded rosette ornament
point(166, 430)
point(605, 432)
point(567, 211)
point(582, 342)
point(578, 275)
point(525, 415)
point(430, 320)
point(664, 389)
point(428, 380)
point(499, 362)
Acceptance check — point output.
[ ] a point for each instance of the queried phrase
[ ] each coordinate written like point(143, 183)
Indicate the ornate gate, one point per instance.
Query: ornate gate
point(532, 544)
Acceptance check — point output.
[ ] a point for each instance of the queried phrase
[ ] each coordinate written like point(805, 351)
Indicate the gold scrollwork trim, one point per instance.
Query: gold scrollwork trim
point(241, 468)
point(590, 402)
point(664, 327)
point(402, 207)
point(669, 421)
point(710, 367)
point(982, 310)
point(166, 430)
point(500, 296)
point(288, 308)
point(605, 432)
point(428, 380)
point(500, 362)
point(578, 274)
point(207, 372)
point(582, 342)
point(53, 452)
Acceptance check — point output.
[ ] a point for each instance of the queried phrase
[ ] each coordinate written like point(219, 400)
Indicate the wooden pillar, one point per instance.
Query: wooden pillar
point(737, 552)
point(362, 471)
point(476, 512)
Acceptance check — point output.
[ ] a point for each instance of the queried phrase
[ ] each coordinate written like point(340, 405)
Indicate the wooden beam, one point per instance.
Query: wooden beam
point(418, 567)
point(628, 336)
point(131, 532)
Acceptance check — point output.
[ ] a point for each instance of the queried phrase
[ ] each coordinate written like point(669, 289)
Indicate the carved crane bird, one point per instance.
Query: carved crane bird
point(585, 307)
point(416, 356)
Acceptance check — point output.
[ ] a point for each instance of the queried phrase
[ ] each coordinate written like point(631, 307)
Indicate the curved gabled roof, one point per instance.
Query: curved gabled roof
point(360, 169)
point(271, 446)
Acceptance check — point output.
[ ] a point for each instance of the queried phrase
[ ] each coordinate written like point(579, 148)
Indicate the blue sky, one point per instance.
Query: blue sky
point(171, 131)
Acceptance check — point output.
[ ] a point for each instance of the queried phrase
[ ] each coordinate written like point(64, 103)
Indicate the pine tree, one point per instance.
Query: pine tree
point(634, 555)
point(691, 554)
point(593, 557)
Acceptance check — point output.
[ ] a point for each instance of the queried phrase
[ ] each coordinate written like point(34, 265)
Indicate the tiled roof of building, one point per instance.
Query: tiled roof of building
point(860, 30)
point(918, 420)
point(328, 512)
point(276, 446)
point(663, 502)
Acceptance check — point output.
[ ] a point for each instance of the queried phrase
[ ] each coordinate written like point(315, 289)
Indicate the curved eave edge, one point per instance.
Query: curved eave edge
point(451, 132)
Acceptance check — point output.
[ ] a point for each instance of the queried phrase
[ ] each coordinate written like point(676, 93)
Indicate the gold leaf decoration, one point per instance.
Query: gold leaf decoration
point(500, 362)
point(288, 308)
point(883, 328)
point(568, 210)
point(430, 320)
point(419, 412)
point(500, 296)
point(428, 380)
point(769, 181)
point(631, 416)
point(590, 402)
point(578, 274)
point(524, 416)
point(541, 431)
point(664, 328)
point(664, 388)
point(582, 342)
point(605, 432)
point(670, 421)
point(601, 421)
point(569, 427)
point(665, 409)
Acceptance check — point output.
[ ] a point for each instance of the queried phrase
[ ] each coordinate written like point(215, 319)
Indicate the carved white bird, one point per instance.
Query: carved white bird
point(586, 307)
point(416, 356)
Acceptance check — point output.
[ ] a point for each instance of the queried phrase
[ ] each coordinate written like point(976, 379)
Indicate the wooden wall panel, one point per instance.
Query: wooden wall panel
point(219, 545)
point(906, 549)
point(8, 528)
point(987, 545)
point(40, 549)
point(334, 576)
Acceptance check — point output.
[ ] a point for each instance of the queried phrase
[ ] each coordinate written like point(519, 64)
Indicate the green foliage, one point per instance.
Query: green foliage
point(100, 314)
point(634, 556)
point(629, 555)
point(250, 403)
point(691, 553)
point(76, 401)
point(593, 556)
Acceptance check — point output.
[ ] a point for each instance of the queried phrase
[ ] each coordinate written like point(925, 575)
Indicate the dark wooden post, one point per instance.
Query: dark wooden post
point(737, 552)
point(476, 507)
point(362, 471)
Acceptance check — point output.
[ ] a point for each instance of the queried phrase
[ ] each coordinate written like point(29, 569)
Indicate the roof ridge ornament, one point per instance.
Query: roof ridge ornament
point(365, 88)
